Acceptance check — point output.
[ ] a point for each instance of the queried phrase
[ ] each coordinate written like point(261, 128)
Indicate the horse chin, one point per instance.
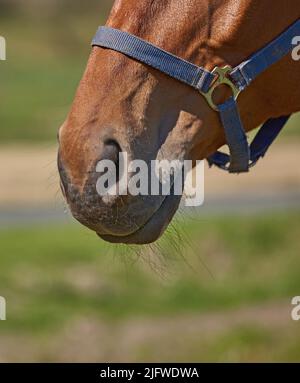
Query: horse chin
point(153, 228)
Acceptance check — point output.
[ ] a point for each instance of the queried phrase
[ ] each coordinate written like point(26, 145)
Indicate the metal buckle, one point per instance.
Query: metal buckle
point(221, 79)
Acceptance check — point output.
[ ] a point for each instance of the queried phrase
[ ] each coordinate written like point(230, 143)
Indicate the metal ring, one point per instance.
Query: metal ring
point(221, 79)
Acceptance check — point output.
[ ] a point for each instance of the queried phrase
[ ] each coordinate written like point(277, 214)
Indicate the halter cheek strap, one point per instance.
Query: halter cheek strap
point(242, 156)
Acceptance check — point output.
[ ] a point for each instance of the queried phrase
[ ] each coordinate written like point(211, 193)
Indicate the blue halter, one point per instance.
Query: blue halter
point(242, 156)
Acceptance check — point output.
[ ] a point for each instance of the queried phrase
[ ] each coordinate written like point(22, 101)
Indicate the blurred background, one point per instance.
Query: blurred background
point(217, 287)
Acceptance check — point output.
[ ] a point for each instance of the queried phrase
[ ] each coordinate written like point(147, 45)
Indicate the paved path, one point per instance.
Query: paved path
point(235, 205)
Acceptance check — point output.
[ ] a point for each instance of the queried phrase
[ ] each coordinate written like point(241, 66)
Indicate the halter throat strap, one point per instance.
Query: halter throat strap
point(242, 156)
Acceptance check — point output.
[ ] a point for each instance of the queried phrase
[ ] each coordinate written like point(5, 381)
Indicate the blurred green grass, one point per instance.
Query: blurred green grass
point(50, 274)
point(46, 57)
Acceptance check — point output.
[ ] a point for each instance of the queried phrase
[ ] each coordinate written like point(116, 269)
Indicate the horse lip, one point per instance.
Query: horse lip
point(151, 230)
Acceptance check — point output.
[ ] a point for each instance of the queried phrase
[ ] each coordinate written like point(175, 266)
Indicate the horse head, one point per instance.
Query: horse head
point(123, 105)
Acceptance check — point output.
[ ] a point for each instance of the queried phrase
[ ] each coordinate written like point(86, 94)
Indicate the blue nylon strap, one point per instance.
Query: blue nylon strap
point(245, 73)
point(259, 146)
point(241, 156)
point(157, 58)
point(242, 76)
point(235, 137)
point(265, 137)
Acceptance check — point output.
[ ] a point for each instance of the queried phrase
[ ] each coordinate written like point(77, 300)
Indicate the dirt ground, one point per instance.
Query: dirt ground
point(29, 175)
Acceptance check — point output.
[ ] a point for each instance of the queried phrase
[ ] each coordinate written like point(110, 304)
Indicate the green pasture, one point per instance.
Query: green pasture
point(51, 275)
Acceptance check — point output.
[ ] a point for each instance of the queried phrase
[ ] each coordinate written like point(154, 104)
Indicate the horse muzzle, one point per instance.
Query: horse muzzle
point(117, 218)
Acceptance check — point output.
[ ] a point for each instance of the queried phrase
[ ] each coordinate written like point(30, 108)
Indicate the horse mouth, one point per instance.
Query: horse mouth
point(151, 230)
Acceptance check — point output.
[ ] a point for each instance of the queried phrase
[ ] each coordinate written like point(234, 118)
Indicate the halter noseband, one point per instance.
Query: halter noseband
point(242, 156)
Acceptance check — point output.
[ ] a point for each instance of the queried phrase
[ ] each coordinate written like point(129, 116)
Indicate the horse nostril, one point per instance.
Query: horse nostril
point(111, 152)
